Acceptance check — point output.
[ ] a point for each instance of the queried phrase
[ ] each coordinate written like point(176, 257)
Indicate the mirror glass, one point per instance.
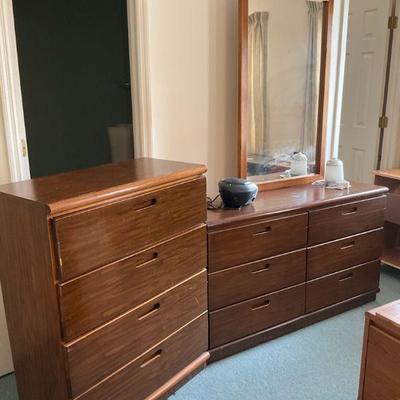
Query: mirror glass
point(284, 68)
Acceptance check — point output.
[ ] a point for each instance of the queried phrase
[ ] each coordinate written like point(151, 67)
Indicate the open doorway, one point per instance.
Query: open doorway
point(74, 69)
point(371, 29)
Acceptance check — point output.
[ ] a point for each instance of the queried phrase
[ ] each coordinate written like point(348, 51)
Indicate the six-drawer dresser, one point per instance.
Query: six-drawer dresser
point(104, 279)
point(293, 257)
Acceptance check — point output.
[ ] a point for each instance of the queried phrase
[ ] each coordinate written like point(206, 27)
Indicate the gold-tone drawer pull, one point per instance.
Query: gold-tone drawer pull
point(348, 245)
point(153, 358)
point(346, 277)
point(262, 269)
point(155, 308)
point(350, 212)
point(149, 204)
point(264, 304)
point(154, 258)
point(266, 230)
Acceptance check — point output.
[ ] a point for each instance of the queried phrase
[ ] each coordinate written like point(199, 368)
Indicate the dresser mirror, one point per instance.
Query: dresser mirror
point(282, 90)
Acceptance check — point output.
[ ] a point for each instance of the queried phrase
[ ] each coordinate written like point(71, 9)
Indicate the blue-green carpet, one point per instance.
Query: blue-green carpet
point(320, 362)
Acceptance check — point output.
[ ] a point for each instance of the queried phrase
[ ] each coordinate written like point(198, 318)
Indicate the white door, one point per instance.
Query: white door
point(6, 364)
point(363, 87)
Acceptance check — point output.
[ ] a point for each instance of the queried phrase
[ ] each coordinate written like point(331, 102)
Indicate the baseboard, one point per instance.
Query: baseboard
point(290, 326)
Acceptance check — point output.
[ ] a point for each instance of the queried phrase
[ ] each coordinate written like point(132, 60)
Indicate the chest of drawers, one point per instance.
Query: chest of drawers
point(293, 257)
point(104, 280)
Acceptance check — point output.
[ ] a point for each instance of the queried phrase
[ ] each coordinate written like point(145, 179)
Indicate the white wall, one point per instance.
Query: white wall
point(193, 79)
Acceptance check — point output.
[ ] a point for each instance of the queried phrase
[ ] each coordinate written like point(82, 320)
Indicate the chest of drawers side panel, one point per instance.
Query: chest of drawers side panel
point(30, 298)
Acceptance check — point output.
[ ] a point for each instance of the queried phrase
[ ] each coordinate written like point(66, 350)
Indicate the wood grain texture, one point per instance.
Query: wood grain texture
point(95, 298)
point(383, 323)
point(95, 215)
point(242, 319)
point(265, 335)
point(392, 183)
point(392, 173)
point(382, 376)
point(93, 238)
point(98, 355)
point(87, 187)
point(343, 253)
point(364, 357)
point(387, 318)
point(260, 240)
point(290, 200)
point(338, 286)
point(143, 376)
point(245, 281)
point(392, 213)
point(345, 220)
point(181, 378)
point(30, 299)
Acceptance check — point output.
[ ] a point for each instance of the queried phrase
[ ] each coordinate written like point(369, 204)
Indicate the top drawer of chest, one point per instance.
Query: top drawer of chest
point(251, 242)
point(346, 219)
point(93, 238)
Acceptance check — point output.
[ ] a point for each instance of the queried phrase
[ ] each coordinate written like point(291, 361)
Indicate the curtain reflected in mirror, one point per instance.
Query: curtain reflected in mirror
point(284, 67)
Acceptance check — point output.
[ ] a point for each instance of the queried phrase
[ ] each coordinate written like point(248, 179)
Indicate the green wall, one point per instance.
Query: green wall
point(73, 58)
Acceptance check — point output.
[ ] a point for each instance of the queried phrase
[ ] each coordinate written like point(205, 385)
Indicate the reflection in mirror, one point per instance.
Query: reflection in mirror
point(284, 67)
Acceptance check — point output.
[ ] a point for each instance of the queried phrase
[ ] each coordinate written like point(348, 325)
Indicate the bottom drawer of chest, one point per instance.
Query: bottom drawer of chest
point(242, 319)
point(150, 371)
point(331, 289)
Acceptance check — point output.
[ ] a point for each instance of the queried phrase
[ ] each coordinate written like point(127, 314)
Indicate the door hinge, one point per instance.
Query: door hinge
point(393, 22)
point(24, 148)
point(383, 122)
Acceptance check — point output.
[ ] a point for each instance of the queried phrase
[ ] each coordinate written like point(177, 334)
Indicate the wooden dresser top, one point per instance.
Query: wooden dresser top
point(87, 186)
point(295, 198)
point(388, 314)
point(393, 173)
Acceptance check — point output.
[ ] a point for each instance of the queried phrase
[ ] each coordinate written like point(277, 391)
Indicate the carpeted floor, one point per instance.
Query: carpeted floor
point(320, 362)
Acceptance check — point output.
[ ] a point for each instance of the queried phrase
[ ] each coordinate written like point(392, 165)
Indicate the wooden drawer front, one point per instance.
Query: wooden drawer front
point(95, 298)
point(239, 320)
point(255, 279)
point(340, 286)
point(344, 253)
point(252, 242)
point(154, 368)
point(345, 220)
point(99, 354)
point(382, 373)
point(91, 239)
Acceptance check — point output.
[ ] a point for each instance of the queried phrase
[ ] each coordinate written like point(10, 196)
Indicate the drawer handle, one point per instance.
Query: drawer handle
point(155, 308)
point(263, 232)
point(265, 304)
point(350, 212)
point(151, 203)
point(263, 269)
point(346, 277)
point(153, 358)
point(348, 245)
point(152, 260)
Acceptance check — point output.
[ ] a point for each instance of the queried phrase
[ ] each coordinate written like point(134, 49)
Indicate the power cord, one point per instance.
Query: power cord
point(211, 203)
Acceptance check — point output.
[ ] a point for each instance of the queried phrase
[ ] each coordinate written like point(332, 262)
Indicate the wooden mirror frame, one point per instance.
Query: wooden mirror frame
point(322, 101)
